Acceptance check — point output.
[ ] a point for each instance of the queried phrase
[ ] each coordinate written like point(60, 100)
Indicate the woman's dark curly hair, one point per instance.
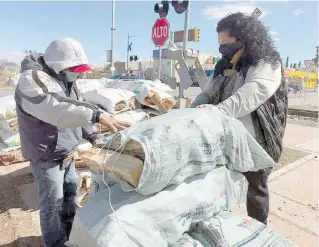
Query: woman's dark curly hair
point(255, 36)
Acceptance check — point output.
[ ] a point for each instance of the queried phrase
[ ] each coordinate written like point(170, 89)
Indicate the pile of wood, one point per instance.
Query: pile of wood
point(125, 166)
point(11, 157)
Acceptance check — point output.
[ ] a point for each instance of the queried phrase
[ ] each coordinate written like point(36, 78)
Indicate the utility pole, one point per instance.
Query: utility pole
point(128, 50)
point(181, 91)
point(112, 38)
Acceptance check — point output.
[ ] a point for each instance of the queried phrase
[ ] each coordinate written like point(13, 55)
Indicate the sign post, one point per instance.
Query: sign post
point(257, 12)
point(160, 62)
point(308, 64)
point(160, 34)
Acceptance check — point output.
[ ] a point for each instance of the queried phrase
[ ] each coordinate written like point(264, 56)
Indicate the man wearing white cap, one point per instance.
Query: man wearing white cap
point(53, 119)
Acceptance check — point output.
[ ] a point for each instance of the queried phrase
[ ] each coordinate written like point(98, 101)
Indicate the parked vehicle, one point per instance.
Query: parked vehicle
point(123, 77)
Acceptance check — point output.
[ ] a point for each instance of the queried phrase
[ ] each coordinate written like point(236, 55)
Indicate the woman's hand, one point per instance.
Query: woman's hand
point(205, 106)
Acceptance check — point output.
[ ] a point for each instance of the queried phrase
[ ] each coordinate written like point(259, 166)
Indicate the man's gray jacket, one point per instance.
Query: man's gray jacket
point(51, 112)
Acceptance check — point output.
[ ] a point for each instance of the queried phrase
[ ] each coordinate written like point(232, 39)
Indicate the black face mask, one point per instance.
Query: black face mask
point(229, 50)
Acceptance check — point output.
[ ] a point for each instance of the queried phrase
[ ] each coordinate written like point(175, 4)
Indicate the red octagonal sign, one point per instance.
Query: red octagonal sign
point(160, 32)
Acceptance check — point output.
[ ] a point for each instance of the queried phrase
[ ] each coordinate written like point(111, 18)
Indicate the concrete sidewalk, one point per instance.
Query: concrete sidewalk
point(294, 202)
point(294, 190)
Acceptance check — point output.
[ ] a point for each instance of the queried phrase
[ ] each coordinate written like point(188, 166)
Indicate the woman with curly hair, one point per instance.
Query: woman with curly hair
point(248, 85)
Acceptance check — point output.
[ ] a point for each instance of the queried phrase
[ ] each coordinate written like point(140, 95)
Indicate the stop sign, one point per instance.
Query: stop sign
point(160, 32)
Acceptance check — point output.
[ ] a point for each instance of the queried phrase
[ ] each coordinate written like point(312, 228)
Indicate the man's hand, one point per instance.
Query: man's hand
point(112, 123)
point(205, 106)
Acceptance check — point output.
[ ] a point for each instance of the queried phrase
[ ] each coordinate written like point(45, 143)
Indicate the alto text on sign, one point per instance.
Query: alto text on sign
point(160, 32)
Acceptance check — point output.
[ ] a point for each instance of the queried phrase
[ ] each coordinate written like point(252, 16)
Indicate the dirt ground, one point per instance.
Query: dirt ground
point(19, 224)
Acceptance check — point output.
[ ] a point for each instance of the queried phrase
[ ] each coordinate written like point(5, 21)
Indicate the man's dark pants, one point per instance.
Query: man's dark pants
point(258, 195)
point(57, 191)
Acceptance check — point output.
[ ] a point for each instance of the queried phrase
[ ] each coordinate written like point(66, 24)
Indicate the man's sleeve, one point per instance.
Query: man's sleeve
point(260, 84)
point(42, 97)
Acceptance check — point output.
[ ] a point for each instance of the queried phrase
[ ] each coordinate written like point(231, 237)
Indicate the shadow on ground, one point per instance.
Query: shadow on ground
point(32, 241)
point(10, 192)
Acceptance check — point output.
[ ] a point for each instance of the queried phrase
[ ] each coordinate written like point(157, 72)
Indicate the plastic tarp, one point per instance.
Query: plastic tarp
point(158, 220)
point(186, 142)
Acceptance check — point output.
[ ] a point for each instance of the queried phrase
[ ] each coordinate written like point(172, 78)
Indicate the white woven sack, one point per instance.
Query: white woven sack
point(158, 220)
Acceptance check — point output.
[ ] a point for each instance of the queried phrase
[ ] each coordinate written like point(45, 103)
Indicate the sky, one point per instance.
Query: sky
point(33, 25)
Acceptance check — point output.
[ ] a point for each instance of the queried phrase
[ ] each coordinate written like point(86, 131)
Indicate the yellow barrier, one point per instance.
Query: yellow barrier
point(302, 74)
point(309, 84)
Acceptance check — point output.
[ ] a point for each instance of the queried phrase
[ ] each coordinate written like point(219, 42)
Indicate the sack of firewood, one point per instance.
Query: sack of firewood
point(11, 156)
point(10, 125)
point(133, 116)
point(126, 167)
point(156, 99)
point(111, 100)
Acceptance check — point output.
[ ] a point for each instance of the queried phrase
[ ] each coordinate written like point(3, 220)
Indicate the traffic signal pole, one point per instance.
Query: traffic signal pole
point(112, 34)
point(128, 51)
point(160, 62)
point(185, 38)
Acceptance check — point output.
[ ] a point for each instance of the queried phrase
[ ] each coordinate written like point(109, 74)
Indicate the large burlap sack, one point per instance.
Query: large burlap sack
point(87, 85)
point(158, 220)
point(229, 229)
point(186, 142)
point(7, 107)
point(187, 241)
point(132, 116)
point(111, 100)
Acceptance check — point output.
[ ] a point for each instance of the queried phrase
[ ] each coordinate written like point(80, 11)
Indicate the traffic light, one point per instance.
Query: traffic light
point(135, 58)
point(162, 8)
point(196, 34)
point(214, 60)
point(180, 6)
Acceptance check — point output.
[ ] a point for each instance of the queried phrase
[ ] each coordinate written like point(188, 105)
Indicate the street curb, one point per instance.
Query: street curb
point(303, 113)
point(291, 166)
